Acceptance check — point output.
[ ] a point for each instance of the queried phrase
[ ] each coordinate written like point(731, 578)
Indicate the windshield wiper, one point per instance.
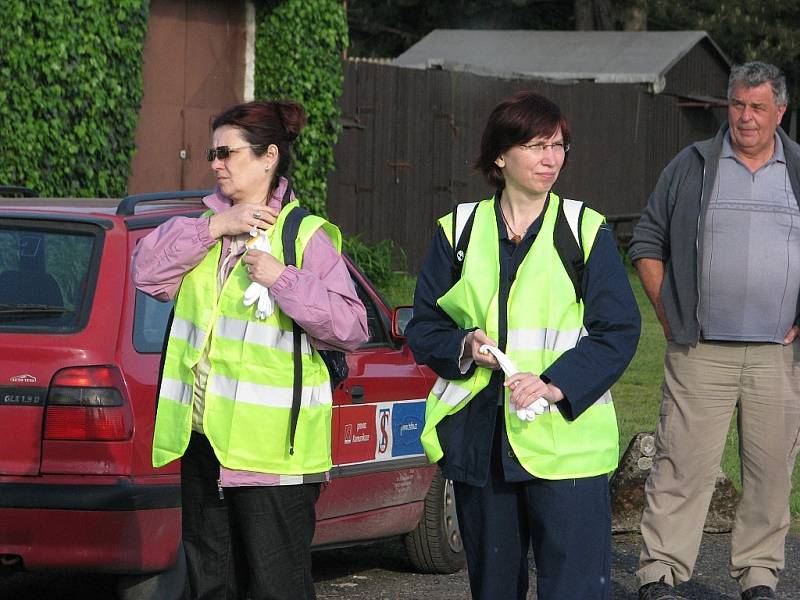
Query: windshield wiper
point(33, 310)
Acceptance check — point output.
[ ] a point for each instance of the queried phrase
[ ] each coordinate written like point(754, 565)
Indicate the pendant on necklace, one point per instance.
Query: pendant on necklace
point(514, 237)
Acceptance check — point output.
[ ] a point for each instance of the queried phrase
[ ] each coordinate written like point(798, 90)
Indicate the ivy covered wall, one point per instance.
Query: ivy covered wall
point(70, 90)
point(299, 44)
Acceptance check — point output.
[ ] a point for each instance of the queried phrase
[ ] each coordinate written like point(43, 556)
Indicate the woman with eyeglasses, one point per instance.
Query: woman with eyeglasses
point(254, 442)
point(524, 310)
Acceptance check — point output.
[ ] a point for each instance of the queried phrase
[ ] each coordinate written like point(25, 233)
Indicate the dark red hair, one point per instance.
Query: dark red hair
point(517, 120)
point(265, 123)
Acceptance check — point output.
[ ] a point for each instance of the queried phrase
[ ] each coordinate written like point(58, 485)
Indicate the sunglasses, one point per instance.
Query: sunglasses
point(223, 152)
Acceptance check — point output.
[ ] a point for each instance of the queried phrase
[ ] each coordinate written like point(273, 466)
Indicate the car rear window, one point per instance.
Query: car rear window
point(47, 274)
point(150, 323)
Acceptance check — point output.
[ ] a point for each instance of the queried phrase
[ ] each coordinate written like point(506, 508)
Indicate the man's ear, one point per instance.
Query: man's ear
point(781, 111)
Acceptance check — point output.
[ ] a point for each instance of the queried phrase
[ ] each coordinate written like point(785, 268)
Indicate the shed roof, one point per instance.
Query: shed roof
point(600, 56)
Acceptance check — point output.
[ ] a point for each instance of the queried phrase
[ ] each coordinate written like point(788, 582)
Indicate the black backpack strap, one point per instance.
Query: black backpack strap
point(291, 226)
point(568, 242)
point(463, 219)
point(163, 360)
point(287, 194)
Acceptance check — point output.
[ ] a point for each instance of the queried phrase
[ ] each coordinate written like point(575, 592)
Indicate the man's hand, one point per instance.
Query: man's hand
point(651, 273)
point(791, 335)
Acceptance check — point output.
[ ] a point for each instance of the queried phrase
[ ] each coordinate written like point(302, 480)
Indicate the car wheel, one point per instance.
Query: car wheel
point(171, 584)
point(435, 545)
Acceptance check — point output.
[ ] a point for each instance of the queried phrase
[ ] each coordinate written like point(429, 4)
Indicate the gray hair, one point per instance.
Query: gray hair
point(755, 73)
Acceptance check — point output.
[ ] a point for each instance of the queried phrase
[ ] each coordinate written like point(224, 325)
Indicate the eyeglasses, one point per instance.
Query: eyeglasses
point(539, 147)
point(223, 152)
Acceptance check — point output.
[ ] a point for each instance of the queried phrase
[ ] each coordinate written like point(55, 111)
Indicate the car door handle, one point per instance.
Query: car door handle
point(357, 393)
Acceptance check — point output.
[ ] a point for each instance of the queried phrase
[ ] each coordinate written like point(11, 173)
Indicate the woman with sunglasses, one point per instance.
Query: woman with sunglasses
point(249, 478)
point(526, 345)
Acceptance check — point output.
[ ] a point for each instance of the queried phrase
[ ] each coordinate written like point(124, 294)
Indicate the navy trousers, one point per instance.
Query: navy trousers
point(254, 542)
point(567, 522)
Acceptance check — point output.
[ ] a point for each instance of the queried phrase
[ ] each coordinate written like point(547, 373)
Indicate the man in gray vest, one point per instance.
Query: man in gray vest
point(718, 253)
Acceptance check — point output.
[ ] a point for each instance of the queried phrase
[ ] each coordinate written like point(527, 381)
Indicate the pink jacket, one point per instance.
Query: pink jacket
point(320, 297)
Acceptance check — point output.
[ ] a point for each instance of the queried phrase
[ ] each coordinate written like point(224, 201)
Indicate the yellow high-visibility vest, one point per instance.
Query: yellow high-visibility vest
point(544, 320)
point(248, 395)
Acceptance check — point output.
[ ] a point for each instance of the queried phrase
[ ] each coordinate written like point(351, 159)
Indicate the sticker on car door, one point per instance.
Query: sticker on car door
point(380, 432)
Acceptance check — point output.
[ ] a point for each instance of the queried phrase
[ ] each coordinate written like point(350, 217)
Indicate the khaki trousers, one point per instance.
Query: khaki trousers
point(703, 384)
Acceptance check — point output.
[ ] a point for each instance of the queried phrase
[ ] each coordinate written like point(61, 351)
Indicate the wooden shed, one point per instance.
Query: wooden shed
point(413, 125)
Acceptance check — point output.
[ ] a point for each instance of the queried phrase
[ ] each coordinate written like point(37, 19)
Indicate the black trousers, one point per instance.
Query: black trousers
point(567, 522)
point(255, 542)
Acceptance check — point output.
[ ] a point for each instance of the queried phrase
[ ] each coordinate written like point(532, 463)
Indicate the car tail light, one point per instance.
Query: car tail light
point(87, 403)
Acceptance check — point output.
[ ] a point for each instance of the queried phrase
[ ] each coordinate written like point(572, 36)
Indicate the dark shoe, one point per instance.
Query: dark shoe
point(658, 590)
point(759, 592)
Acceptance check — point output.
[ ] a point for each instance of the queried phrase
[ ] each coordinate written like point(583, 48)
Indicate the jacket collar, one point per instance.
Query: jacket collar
point(711, 148)
point(219, 202)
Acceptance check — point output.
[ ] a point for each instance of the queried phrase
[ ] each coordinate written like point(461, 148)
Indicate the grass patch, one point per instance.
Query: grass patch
point(637, 395)
point(399, 289)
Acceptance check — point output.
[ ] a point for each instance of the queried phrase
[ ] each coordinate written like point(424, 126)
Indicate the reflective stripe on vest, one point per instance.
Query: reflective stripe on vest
point(259, 333)
point(186, 331)
point(540, 328)
point(248, 393)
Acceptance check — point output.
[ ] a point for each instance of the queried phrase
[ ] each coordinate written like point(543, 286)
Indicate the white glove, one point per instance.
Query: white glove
point(257, 292)
point(509, 368)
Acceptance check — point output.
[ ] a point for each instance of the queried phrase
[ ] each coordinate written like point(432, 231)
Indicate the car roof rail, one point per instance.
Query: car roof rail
point(17, 191)
point(127, 205)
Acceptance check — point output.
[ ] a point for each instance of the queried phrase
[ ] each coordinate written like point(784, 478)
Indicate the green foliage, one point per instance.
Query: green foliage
point(70, 90)
point(386, 28)
point(376, 260)
point(299, 44)
point(399, 290)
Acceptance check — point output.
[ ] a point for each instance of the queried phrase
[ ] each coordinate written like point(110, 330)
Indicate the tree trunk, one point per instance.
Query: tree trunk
point(604, 15)
point(593, 15)
point(584, 15)
point(635, 18)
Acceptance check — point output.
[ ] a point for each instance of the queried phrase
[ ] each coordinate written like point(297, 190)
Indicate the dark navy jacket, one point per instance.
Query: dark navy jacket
point(584, 373)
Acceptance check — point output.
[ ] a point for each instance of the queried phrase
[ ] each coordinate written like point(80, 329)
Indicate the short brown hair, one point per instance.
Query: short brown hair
point(522, 117)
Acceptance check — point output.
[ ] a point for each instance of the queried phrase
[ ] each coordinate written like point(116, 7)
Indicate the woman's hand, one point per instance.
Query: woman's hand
point(526, 388)
point(262, 267)
point(473, 342)
point(241, 218)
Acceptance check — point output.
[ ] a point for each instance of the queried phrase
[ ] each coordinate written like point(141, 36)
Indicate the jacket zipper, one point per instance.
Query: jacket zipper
point(697, 251)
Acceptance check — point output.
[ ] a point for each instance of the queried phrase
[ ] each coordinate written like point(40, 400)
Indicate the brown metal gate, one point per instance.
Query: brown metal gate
point(193, 68)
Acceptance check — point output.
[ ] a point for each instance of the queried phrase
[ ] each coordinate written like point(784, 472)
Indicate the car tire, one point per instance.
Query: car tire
point(435, 545)
point(171, 584)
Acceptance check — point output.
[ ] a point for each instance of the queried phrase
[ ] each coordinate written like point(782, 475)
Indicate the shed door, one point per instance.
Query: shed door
point(193, 69)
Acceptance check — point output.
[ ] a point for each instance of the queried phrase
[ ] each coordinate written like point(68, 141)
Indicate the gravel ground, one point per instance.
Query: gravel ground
point(381, 572)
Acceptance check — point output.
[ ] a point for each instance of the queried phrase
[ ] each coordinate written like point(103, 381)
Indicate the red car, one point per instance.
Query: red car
point(81, 350)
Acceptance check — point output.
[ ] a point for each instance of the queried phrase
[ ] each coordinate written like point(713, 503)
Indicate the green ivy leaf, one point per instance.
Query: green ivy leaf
point(55, 75)
point(299, 44)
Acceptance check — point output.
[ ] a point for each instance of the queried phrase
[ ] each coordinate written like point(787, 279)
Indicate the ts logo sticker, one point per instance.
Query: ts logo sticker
point(384, 424)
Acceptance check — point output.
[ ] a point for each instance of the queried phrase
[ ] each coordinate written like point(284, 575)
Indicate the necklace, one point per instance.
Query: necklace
point(515, 237)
